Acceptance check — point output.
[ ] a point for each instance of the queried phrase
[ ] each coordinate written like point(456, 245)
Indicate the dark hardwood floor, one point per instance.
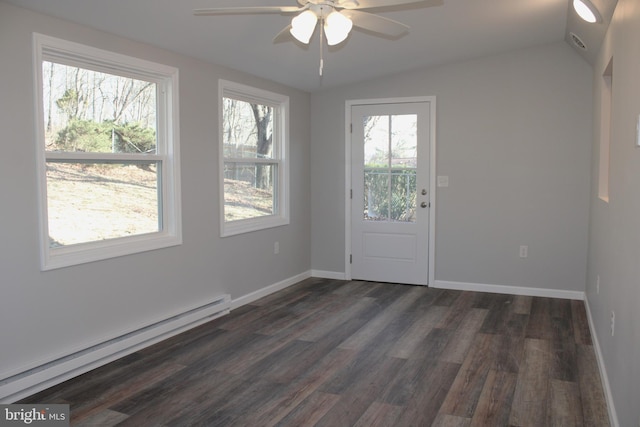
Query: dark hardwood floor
point(336, 353)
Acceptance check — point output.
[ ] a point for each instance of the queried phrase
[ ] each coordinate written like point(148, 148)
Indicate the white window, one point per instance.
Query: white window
point(107, 153)
point(253, 159)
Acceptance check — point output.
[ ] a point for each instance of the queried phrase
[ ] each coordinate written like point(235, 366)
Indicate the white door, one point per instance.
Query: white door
point(390, 200)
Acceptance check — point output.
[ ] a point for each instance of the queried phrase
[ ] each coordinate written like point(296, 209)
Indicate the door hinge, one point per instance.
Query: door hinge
point(351, 127)
point(350, 259)
point(351, 194)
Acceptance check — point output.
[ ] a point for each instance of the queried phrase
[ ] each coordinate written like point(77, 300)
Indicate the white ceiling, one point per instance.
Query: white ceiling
point(453, 31)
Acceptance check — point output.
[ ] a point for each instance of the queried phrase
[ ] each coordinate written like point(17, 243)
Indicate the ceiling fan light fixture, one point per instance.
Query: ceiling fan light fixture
point(337, 28)
point(586, 10)
point(303, 25)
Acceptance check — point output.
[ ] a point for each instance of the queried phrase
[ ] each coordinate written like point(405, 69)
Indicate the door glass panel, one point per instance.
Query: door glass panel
point(390, 161)
point(403, 195)
point(376, 141)
point(404, 147)
point(376, 194)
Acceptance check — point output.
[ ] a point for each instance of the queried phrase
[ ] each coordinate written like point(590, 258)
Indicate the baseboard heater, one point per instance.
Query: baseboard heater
point(31, 380)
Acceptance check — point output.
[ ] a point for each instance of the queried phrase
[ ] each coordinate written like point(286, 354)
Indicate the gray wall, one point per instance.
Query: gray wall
point(513, 135)
point(614, 244)
point(48, 313)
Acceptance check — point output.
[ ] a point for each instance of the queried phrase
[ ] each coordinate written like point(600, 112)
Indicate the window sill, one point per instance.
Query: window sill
point(97, 251)
point(254, 224)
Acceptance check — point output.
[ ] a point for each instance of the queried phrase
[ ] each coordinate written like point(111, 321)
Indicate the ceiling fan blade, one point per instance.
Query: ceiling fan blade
point(370, 4)
point(283, 35)
point(245, 10)
point(376, 23)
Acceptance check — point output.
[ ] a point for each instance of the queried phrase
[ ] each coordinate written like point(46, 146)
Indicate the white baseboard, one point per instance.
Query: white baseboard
point(253, 296)
point(31, 379)
point(334, 275)
point(613, 417)
point(512, 290)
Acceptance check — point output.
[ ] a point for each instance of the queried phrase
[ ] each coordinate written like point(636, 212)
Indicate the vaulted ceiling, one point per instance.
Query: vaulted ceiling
point(442, 31)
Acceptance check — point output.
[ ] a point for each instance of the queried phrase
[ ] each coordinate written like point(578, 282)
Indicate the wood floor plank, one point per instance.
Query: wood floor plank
point(580, 323)
point(423, 407)
point(418, 373)
point(379, 415)
point(458, 308)
point(406, 345)
point(353, 289)
point(539, 325)
point(106, 418)
point(594, 407)
point(361, 390)
point(465, 391)
point(371, 329)
point(529, 405)
point(311, 410)
point(332, 320)
point(564, 362)
point(565, 407)
point(510, 344)
point(119, 391)
point(273, 411)
point(462, 339)
point(338, 353)
point(521, 304)
point(443, 420)
point(494, 404)
point(297, 312)
point(178, 396)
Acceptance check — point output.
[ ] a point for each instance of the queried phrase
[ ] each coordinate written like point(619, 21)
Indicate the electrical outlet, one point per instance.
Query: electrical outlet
point(613, 322)
point(276, 248)
point(524, 251)
point(598, 285)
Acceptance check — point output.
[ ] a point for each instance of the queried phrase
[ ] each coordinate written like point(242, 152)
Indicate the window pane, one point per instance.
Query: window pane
point(248, 190)
point(403, 195)
point(376, 141)
point(248, 129)
point(404, 141)
point(89, 111)
point(97, 201)
point(376, 195)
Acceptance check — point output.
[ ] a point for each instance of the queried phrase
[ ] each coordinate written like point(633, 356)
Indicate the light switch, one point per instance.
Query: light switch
point(443, 181)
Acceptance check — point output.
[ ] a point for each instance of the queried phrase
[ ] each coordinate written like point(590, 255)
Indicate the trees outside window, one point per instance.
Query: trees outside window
point(108, 153)
point(254, 166)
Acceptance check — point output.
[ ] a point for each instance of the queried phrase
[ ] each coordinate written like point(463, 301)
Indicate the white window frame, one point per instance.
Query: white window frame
point(280, 105)
point(46, 48)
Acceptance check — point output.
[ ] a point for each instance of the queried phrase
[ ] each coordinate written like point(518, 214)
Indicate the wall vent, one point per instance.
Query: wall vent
point(577, 41)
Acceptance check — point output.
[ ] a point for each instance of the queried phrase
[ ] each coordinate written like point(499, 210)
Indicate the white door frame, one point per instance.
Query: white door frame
point(432, 175)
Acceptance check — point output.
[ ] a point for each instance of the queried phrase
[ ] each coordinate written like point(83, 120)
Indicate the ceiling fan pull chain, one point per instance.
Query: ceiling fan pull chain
point(321, 50)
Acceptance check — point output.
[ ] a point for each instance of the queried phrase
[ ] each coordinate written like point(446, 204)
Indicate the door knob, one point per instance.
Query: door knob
point(424, 191)
point(423, 204)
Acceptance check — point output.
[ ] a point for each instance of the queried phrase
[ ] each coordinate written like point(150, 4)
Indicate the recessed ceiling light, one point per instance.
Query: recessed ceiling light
point(586, 10)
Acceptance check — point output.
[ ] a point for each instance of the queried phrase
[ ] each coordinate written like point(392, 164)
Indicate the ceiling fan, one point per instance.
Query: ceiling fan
point(337, 18)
